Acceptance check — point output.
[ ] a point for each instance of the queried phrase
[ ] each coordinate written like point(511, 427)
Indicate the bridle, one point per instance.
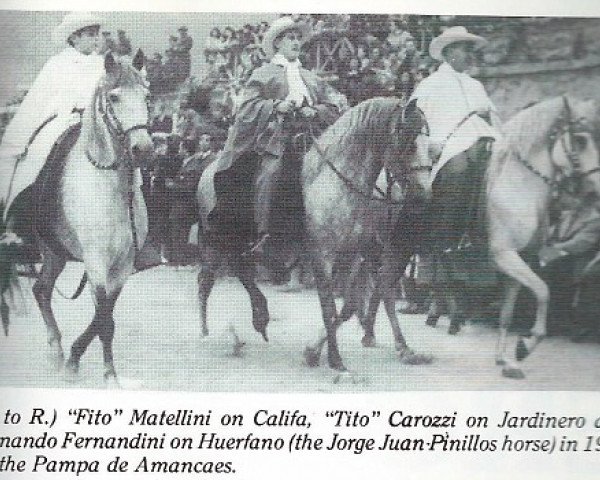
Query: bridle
point(567, 128)
point(396, 132)
point(115, 128)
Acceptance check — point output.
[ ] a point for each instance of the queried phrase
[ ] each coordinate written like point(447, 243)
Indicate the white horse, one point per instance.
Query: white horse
point(546, 146)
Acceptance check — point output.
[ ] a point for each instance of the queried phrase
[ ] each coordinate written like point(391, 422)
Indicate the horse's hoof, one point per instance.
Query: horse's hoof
point(368, 341)
point(526, 345)
point(72, 371)
point(513, 373)
point(453, 329)
point(431, 321)
point(409, 357)
point(238, 350)
point(348, 378)
point(500, 362)
point(111, 382)
point(260, 325)
point(204, 331)
point(311, 357)
point(56, 356)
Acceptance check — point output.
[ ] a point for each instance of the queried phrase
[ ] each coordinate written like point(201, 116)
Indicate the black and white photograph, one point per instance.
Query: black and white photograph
point(299, 203)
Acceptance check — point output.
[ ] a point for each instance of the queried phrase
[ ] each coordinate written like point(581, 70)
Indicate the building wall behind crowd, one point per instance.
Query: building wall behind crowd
point(528, 60)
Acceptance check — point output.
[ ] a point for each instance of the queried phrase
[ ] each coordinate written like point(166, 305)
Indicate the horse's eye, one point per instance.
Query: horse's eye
point(113, 97)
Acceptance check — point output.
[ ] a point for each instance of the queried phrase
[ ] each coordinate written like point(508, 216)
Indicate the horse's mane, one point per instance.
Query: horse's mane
point(363, 128)
point(526, 132)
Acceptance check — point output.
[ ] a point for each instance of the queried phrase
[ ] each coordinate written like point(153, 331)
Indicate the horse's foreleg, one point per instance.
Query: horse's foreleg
point(510, 263)
point(511, 292)
point(354, 291)
point(367, 321)
point(323, 275)
point(103, 326)
point(392, 264)
point(106, 332)
point(206, 281)
point(42, 290)
point(260, 310)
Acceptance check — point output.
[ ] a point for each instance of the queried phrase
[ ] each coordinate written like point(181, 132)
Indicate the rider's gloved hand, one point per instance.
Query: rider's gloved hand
point(308, 112)
point(286, 106)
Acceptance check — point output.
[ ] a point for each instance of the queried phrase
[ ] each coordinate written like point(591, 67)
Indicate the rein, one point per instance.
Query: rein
point(115, 128)
point(568, 126)
point(385, 197)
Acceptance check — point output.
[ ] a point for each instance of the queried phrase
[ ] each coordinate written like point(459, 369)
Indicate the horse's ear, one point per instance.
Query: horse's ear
point(138, 60)
point(110, 64)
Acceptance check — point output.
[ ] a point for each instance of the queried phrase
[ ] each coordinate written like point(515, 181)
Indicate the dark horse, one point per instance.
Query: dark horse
point(88, 207)
point(339, 175)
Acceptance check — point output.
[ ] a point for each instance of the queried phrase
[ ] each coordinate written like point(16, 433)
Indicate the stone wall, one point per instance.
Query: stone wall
point(530, 59)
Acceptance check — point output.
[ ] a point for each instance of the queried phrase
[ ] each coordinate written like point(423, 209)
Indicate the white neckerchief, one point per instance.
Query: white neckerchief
point(296, 86)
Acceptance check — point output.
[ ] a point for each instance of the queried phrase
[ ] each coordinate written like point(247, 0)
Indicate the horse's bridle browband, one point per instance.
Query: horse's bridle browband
point(570, 126)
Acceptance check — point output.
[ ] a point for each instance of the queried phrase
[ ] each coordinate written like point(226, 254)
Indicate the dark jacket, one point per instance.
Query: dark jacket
point(258, 128)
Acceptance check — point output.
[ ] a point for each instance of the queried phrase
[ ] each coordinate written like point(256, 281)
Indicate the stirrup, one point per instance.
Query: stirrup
point(257, 246)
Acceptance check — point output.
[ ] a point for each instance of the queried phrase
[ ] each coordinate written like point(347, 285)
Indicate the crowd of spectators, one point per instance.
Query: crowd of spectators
point(369, 55)
point(120, 46)
point(167, 72)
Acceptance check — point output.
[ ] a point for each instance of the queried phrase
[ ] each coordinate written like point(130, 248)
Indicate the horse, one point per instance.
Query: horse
point(338, 177)
point(339, 174)
point(548, 147)
point(88, 206)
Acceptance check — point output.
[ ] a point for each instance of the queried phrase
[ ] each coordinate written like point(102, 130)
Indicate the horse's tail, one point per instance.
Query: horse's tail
point(8, 273)
point(7, 277)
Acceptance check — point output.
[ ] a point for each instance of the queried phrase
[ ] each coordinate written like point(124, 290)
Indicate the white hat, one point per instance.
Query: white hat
point(282, 25)
point(71, 23)
point(452, 35)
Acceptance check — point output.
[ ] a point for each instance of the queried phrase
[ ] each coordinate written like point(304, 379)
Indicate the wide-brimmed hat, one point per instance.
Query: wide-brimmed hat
point(71, 23)
point(453, 35)
point(280, 26)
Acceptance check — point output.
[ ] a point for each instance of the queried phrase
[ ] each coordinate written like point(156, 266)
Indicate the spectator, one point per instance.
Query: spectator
point(183, 212)
point(376, 58)
point(411, 55)
point(155, 74)
point(405, 85)
point(573, 242)
point(214, 42)
point(157, 199)
point(397, 37)
point(182, 50)
point(107, 43)
point(352, 83)
point(123, 46)
point(361, 55)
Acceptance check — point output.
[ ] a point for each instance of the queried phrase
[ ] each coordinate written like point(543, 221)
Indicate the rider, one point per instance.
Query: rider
point(279, 96)
point(54, 102)
point(463, 123)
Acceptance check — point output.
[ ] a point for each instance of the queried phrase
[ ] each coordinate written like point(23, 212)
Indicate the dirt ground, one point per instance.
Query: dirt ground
point(158, 346)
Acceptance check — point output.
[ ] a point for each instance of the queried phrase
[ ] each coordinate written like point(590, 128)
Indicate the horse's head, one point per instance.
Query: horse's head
point(574, 148)
point(122, 102)
point(412, 137)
